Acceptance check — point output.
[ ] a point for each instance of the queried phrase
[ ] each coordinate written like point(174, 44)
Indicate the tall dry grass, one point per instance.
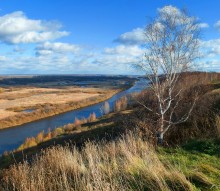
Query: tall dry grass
point(128, 163)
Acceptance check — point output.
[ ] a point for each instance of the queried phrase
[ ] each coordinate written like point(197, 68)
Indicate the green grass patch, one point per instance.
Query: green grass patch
point(198, 160)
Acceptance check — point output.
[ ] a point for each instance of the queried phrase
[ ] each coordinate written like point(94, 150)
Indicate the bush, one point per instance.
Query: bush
point(58, 131)
point(121, 104)
point(92, 117)
point(69, 127)
point(105, 109)
point(29, 142)
point(40, 137)
point(77, 123)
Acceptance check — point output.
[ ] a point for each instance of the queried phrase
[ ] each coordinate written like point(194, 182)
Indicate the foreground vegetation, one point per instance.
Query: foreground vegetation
point(120, 151)
point(129, 163)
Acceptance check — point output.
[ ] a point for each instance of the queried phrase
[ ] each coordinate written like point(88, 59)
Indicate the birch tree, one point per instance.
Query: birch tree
point(172, 44)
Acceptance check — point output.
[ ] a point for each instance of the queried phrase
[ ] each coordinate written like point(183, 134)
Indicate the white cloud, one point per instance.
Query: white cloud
point(136, 36)
point(211, 48)
point(3, 58)
point(119, 59)
point(170, 10)
point(43, 52)
point(203, 25)
point(211, 65)
point(217, 25)
point(57, 47)
point(17, 28)
point(124, 50)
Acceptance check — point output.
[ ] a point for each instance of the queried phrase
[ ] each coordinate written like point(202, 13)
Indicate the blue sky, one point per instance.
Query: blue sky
point(89, 36)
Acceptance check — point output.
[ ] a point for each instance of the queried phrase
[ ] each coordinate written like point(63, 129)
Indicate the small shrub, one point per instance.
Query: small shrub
point(77, 123)
point(69, 127)
point(105, 109)
point(58, 131)
point(121, 104)
point(40, 137)
point(48, 136)
point(92, 117)
point(84, 120)
point(29, 142)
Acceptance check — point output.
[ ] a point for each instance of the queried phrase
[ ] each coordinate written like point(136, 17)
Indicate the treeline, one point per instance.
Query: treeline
point(61, 78)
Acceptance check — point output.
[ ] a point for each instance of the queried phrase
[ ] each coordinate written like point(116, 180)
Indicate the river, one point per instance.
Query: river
point(11, 138)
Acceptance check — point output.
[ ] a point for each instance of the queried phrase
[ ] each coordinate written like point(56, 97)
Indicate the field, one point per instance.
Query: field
point(25, 99)
point(29, 98)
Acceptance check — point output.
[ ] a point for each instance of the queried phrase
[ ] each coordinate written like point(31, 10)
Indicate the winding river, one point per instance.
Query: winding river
point(11, 138)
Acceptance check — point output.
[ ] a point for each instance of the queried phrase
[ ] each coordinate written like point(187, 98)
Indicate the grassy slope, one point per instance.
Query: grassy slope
point(198, 160)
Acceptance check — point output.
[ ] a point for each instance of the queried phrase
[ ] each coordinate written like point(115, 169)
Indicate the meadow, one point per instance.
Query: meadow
point(24, 100)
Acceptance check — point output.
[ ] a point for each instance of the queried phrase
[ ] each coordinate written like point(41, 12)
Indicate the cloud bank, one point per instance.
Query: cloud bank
point(48, 56)
point(16, 28)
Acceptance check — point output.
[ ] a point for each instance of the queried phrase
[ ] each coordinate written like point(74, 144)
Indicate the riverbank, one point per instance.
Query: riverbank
point(31, 98)
point(48, 110)
point(106, 127)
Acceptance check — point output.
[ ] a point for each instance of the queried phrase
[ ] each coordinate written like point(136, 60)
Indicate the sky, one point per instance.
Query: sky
point(91, 36)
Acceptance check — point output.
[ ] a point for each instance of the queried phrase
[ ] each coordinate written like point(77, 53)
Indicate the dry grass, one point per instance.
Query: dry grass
point(46, 102)
point(128, 163)
point(64, 130)
point(11, 101)
point(201, 123)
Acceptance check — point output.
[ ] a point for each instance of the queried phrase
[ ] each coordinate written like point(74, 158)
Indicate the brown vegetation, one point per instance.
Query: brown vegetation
point(49, 109)
point(105, 109)
point(126, 164)
point(202, 121)
point(66, 129)
point(121, 104)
